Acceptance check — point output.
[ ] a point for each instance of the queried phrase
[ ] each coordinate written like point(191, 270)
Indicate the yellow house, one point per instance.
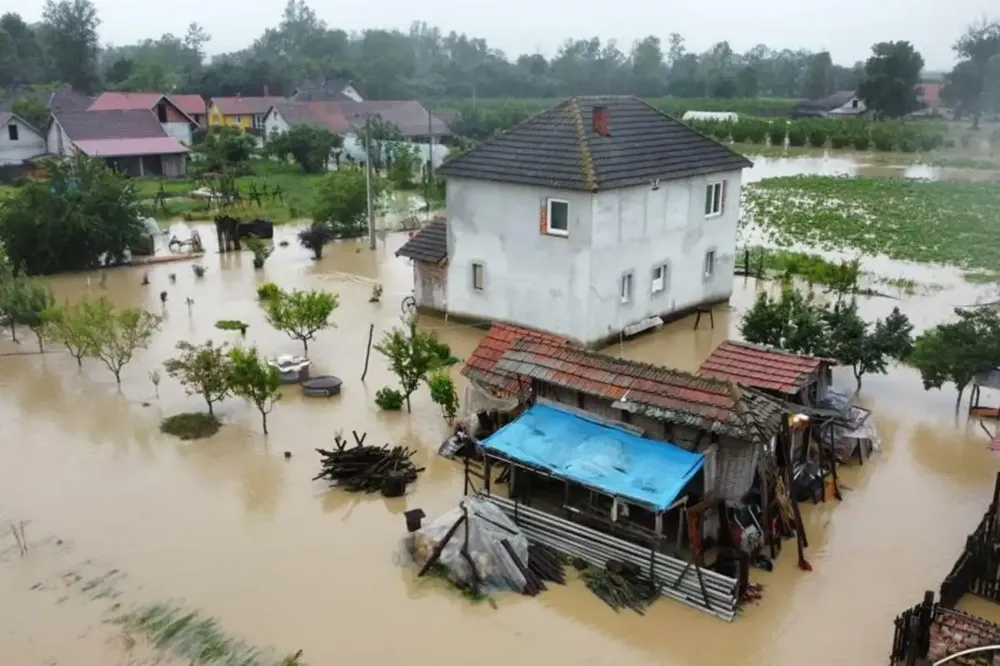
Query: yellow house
point(245, 112)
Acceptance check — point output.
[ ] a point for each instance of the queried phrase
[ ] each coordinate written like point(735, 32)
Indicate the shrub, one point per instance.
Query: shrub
point(883, 138)
point(840, 140)
point(720, 131)
point(232, 325)
point(817, 136)
point(908, 144)
point(776, 133)
point(389, 399)
point(740, 131)
point(860, 140)
point(796, 135)
point(757, 131)
point(190, 425)
point(267, 291)
point(199, 270)
point(930, 140)
point(444, 395)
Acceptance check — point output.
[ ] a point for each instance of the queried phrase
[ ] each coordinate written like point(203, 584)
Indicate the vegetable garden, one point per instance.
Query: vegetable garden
point(946, 222)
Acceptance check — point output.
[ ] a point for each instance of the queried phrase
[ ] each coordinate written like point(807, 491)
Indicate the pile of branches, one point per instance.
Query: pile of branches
point(368, 468)
point(619, 586)
point(545, 563)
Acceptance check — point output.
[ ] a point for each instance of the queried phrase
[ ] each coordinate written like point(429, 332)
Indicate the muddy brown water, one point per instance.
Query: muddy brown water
point(229, 527)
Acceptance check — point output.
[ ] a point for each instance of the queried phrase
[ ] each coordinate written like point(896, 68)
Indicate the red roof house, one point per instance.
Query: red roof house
point(772, 370)
point(176, 122)
point(481, 365)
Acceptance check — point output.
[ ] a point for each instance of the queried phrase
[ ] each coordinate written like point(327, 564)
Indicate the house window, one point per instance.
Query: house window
point(557, 217)
point(710, 263)
point(12, 132)
point(714, 198)
point(239, 119)
point(477, 276)
point(626, 288)
point(659, 281)
point(258, 121)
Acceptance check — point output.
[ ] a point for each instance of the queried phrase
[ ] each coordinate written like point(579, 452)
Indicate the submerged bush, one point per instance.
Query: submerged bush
point(190, 425)
point(840, 141)
point(883, 138)
point(796, 135)
point(267, 291)
point(776, 133)
point(817, 136)
point(389, 399)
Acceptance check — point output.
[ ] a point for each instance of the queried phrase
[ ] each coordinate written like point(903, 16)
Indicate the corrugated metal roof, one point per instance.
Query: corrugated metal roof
point(245, 106)
point(128, 124)
point(760, 367)
point(481, 365)
point(660, 393)
point(161, 145)
point(429, 244)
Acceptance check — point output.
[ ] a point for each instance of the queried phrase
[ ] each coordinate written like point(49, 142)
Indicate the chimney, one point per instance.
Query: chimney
point(267, 90)
point(600, 121)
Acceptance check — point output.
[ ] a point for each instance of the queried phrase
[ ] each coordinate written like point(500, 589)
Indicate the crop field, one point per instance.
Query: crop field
point(944, 222)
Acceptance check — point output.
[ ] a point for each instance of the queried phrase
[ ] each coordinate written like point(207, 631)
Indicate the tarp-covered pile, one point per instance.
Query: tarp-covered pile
point(855, 427)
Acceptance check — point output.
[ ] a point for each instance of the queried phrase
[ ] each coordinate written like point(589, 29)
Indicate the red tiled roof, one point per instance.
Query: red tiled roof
point(160, 145)
point(660, 393)
point(325, 114)
point(760, 367)
point(480, 365)
point(122, 101)
point(245, 106)
point(190, 104)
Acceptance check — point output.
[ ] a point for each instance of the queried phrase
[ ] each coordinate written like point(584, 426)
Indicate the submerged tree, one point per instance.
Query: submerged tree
point(792, 322)
point(254, 379)
point(864, 347)
point(300, 314)
point(955, 351)
point(68, 325)
point(31, 301)
point(342, 202)
point(114, 336)
point(411, 355)
point(310, 146)
point(892, 74)
point(203, 370)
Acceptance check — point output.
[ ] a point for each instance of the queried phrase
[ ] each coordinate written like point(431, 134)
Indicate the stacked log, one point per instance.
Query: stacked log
point(546, 563)
point(617, 587)
point(369, 468)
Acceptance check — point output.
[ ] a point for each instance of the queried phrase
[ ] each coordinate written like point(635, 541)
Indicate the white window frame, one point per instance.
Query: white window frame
point(714, 207)
point(239, 119)
point(664, 269)
point(258, 121)
point(478, 276)
point(708, 264)
point(626, 287)
point(548, 217)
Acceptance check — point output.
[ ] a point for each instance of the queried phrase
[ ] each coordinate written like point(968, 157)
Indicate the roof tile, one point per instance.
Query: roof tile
point(429, 244)
point(117, 124)
point(760, 367)
point(481, 365)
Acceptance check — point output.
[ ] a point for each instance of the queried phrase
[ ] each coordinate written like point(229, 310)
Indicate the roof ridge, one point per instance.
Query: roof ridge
point(583, 145)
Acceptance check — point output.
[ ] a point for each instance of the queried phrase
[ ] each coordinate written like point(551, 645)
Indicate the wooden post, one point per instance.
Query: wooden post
point(926, 617)
point(833, 467)
point(765, 506)
point(368, 351)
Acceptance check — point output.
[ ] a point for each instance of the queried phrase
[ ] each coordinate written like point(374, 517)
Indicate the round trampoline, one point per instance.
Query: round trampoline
point(322, 387)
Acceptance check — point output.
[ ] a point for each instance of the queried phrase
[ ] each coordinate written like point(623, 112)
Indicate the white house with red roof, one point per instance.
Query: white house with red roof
point(175, 121)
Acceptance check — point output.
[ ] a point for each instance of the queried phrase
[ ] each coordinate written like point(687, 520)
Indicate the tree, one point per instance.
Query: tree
point(955, 351)
point(891, 77)
point(819, 76)
point(119, 72)
point(32, 111)
point(791, 322)
point(309, 145)
point(29, 300)
point(78, 216)
point(116, 335)
point(252, 378)
point(411, 356)
point(227, 148)
point(300, 314)
point(444, 394)
point(866, 348)
point(203, 370)
point(22, 57)
point(71, 36)
point(342, 202)
point(315, 238)
point(403, 164)
point(379, 135)
point(971, 87)
point(68, 325)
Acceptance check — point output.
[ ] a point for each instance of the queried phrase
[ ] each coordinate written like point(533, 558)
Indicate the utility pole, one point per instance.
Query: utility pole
point(368, 185)
point(430, 165)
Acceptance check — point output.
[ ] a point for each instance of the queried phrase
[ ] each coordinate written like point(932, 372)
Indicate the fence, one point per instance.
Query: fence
point(977, 569)
point(929, 633)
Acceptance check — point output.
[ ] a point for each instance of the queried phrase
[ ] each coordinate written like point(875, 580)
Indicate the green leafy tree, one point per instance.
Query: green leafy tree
point(411, 355)
point(79, 214)
point(228, 149)
point(444, 394)
point(22, 54)
point(116, 335)
point(891, 77)
point(403, 165)
point(28, 303)
point(379, 134)
point(300, 314)
point(792, 322)
point(68, 325)
point(973, 85)
point(252, 378)
point(310, 146)
point(119, 72)
point(342, 203)
point(955, 351)
point(261, 250)
point(33, 111)
point(70, 30)
point(867, 348)
point(203, 370)
point(149, 74)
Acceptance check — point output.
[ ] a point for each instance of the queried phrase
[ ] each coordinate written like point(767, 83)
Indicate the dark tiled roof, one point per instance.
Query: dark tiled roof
point(559, 148)
point(409, 116)
point(324, 114)
point(430, 244)
point(760, 367)
point(330, 90)
point(829, 103)
point(659, 393)
point(120, 124)
point(245, 106)
point(481, 365)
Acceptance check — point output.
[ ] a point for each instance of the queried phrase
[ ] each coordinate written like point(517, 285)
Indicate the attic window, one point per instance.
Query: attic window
point(161, 112)
point(12, 132)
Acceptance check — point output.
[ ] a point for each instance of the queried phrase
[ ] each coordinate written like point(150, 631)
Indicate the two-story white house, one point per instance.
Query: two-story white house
point(586, 220)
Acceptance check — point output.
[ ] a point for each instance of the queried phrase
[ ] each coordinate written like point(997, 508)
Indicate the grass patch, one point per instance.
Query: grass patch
point(812, 268)
point(190, 425)
point(947, 222)
point(198, 640)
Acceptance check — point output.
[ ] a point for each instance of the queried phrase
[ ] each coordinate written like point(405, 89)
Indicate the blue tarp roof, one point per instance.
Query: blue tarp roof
point(602, 457)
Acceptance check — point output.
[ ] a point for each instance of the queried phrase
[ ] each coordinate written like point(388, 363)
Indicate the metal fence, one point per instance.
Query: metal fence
point(694, 586)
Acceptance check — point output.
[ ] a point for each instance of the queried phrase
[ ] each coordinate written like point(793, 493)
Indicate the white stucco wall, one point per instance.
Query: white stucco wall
point(57, 141)
point(572, 285)
point(273, 122)
point(179, 131)
point(29, 143)
point(529, 278)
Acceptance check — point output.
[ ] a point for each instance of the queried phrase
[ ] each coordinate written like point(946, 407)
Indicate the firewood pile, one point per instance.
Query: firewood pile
point(368, 468)
point(619, 586)
point(546, 564)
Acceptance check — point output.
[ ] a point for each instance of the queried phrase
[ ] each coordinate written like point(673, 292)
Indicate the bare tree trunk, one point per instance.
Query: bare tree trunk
point(209, 403)
point(958, 401)
point(857, 376)
point(41, 345)
point(13, 331)
point(305, 347)
point(263, 419)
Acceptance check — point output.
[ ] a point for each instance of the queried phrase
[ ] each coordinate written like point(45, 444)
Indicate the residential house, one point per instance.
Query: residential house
point(245, 112)
point(840, 103)
point(193, 105)
point(795, 378)
point(731, 425)
point(19, 141)
point(175, 121)
point(589, 218)
point(428, 248)
point(326, 90)
point(132, 141)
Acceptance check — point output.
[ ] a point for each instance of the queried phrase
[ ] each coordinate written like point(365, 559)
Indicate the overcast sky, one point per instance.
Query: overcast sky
point(847, 28)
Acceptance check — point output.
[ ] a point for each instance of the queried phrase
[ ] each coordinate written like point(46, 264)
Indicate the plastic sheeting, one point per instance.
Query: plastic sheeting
point(486, 527)
point(597, 455)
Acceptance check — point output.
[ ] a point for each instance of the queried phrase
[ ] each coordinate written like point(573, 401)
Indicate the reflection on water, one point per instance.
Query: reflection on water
point(236, 530)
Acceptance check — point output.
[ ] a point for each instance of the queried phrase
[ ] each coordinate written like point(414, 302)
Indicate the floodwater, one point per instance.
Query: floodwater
point(837, 164)
point(231, 528)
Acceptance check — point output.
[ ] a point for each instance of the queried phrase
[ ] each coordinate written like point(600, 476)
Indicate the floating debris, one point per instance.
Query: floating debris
point(620, 589)
point(368, 468)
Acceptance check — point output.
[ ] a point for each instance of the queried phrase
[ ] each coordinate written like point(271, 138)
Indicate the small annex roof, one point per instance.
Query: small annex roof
point(761, 367)
point(430, 244)
point(161, 145)
point(481, 367)
point(663, 394)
